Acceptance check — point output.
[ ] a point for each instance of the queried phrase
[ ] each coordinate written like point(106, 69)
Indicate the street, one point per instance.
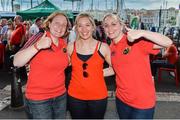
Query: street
point(168, 99)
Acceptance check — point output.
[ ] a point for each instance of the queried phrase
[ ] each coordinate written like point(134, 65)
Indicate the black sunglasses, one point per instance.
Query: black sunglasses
point(84, 66)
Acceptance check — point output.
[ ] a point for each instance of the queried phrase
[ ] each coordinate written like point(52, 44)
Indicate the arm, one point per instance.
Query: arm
point(105, 50)
point(22, 41)
point(24, 56)
point(108, 71)
point(70, 48)
point(159, 39)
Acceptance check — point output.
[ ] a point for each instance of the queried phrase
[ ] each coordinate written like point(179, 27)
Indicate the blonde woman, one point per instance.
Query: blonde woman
point(130, 49)
point(87, 92)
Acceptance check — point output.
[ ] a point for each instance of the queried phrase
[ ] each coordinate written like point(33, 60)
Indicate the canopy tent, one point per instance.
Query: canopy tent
point(43, 9)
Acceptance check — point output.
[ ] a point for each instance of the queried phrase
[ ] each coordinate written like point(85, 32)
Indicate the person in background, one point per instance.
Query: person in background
point(34, 29)
point(176, 33)
point(169, 58)
point(17, 39)
point(3, 41)
point(9, 32)
point(130, 49)
point(0, 27)
point(153, 29)
point(45, 95)
point(9, 52)
point(99, 33)
point(27, 24)
point(3, 31)
point(87, 92)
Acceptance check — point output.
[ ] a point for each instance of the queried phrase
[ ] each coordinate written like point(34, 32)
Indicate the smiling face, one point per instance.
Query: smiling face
point(85, 26)
point(112, 27)
point(58, 26)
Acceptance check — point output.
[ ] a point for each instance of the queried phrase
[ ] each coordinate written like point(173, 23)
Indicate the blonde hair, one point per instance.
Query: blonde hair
point(113, 15)
point(50, 19)
point(83, 15)
point(116, 17)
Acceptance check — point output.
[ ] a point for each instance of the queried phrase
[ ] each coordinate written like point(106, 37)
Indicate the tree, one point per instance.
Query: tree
point(172, 21)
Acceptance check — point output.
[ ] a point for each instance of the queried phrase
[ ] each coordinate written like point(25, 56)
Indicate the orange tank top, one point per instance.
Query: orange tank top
point(93, 86)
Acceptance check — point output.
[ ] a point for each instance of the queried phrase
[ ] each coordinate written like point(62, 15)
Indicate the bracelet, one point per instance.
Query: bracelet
point(35, 46)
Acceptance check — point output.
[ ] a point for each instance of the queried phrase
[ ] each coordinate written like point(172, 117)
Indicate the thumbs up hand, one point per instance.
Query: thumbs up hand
point(44, 42)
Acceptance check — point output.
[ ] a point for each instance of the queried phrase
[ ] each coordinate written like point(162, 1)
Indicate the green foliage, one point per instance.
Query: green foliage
point(172, 21)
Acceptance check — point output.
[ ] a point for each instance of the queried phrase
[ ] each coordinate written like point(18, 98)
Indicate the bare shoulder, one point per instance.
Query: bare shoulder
point(104, 49)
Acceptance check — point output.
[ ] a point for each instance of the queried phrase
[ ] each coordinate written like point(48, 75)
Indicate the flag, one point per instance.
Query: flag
point(134, 22)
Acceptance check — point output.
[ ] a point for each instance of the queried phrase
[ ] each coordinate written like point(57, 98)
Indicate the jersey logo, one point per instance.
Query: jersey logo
point(126, 50)
point(64, 50)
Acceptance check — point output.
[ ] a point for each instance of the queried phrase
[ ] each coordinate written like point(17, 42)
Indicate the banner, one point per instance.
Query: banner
point(134, 23)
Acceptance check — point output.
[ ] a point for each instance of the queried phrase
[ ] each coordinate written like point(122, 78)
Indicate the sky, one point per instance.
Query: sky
point(151, 4)
point(101, 4)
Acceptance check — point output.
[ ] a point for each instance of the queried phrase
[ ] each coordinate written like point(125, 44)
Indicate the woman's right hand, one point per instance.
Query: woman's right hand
point(44, 42)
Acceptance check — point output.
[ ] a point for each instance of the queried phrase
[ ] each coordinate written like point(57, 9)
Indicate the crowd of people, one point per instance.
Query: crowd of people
point(14, 34)
point(46, 48)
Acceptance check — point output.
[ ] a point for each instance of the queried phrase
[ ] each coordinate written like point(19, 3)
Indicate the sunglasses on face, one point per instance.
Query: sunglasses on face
point(84, 66)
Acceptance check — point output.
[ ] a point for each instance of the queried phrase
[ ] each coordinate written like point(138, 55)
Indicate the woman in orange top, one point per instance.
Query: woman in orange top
point(45, 90)
point(87, 92)
point(130, 49)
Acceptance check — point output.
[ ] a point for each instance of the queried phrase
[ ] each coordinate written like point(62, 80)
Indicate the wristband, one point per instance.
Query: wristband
point(35, 46)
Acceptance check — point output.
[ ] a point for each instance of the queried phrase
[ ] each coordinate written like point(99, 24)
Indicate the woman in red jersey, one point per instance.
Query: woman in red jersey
point(135, 92)
point(45, 91)
point(87, 92)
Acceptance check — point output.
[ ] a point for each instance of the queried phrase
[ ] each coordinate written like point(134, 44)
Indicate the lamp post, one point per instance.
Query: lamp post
point(12, 5)
point(160, 17)
point(117, 8)
point(106, 5)
point(92, 4)
point(31, 3)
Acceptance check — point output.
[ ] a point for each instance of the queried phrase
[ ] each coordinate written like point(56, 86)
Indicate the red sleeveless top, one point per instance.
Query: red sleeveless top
point(92, 87)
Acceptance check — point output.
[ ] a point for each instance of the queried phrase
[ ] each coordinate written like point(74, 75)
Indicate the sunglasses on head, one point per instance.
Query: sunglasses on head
point(84, 66)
